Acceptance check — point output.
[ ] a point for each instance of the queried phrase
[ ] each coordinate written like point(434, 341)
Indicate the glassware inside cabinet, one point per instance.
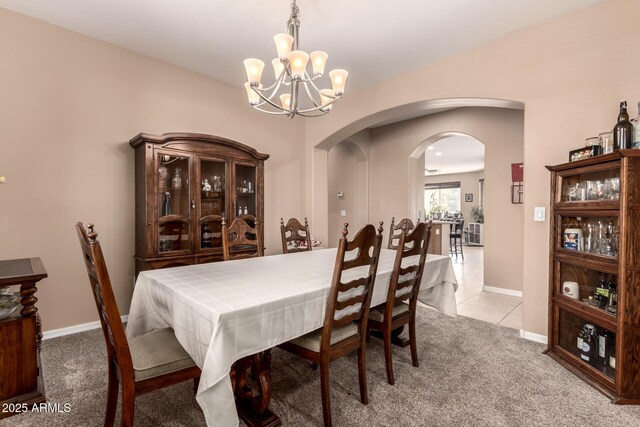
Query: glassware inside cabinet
point(212, 187)
point(173, 185)
point(595, 235)
point(245, 190)
point(592, 186)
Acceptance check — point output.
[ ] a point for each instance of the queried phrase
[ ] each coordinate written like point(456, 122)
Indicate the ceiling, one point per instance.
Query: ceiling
point(374, 40)
point(454, 154)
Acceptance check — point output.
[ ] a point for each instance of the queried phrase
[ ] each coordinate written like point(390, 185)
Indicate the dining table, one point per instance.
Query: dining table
point(230, 314)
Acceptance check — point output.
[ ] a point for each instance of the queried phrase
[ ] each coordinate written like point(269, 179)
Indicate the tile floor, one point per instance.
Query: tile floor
point(503, 310)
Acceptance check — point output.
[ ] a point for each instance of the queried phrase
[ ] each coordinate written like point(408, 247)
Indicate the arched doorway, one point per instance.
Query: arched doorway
point(396, 173)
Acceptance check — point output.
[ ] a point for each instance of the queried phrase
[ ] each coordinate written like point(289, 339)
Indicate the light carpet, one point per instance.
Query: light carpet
point(471, 373)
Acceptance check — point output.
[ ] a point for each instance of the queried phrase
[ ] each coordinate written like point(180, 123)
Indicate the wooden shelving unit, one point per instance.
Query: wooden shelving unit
point(585, 193)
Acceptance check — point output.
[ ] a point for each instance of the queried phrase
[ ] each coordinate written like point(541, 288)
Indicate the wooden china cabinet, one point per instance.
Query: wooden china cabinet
point(186, 184)
point(595, 255)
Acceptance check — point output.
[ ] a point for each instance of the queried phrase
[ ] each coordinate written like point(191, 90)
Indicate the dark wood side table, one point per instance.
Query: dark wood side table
point(20, 337)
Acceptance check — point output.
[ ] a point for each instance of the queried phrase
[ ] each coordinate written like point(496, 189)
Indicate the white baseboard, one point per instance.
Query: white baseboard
point(75, 329)
point(533, 337)
point(502, 291)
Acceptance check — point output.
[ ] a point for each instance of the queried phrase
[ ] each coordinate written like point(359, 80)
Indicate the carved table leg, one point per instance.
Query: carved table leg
point(253, 406)
point(395, 337)
point(28, 299)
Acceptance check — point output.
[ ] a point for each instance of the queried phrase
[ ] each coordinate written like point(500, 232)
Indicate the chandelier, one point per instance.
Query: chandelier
point(283, 97)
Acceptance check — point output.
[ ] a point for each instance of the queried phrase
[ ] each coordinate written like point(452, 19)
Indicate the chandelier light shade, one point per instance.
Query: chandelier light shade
point(294, 91)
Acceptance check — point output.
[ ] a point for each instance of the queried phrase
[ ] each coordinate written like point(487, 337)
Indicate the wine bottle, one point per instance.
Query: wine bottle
point(636, 129)
point(602, 292)
point(612, 305)
point(603, 345)
point(612, 355)
point(580, 338)
point(623, 130)
point(166, 205)
point(205, 237)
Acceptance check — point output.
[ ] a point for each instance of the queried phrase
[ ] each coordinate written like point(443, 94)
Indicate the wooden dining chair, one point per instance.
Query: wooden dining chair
point(143, 364)
point(298, 234)
point(395, 230)
point(345, 322)
point(404, 285)
point(240, 240)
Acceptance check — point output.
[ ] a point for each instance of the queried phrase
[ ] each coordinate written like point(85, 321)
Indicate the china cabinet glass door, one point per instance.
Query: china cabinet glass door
point(245, 191)
point(174, 203)
point(212, 175)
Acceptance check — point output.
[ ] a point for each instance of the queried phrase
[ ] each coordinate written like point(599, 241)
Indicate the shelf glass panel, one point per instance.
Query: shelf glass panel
point(212, 187)
point(590, 186)
point(245, 190)
point(597, 289)
point(595, 351)
point(173, 185)
point(211, 235)
point(596, 235)
point(173, 236)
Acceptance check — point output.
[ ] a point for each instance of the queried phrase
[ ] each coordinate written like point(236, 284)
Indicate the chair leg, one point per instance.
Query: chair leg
point(387, 356)
point(196, 383)
point(412, 342)
point(325, 389)
point(461, 252)
point(128, 406)
point(362, 375)
point(112, 397)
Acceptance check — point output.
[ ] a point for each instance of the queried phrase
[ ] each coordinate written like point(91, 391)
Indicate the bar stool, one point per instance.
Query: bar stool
point(455, 238)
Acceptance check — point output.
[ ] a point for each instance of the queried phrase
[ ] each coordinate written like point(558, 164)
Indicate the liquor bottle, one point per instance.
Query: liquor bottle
point(176, 181)
point(612, 305)
point(166, 205)
point(246, 211)
point(612, 354)
point(239, 210)
point(588, 346)
point(636, 129)
point(602, 292)
point(603, 345)
point(205, 238)
point(623, 130)
point(580, 338)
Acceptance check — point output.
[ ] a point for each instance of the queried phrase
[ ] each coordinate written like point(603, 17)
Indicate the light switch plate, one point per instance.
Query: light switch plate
point(539, 213)
point(343, 213)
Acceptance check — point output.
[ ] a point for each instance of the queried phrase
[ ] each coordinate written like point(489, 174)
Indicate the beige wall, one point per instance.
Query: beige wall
point(348, 173)
point(69, 105)
point(393, 173)
point(469, 184)
point(566, 73)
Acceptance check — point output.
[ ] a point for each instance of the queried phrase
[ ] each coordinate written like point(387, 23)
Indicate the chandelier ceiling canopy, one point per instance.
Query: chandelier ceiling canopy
point(294, 91)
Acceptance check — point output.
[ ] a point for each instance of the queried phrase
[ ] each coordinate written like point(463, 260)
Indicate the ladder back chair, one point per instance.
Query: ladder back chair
point(405, 225)
point(299, 239)
point(240, 240)
point(404, 285)
point(345, 323)
point(143, 364)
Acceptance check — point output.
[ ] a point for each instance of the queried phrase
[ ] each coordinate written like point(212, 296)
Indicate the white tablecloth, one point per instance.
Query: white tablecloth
point(223, 311)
